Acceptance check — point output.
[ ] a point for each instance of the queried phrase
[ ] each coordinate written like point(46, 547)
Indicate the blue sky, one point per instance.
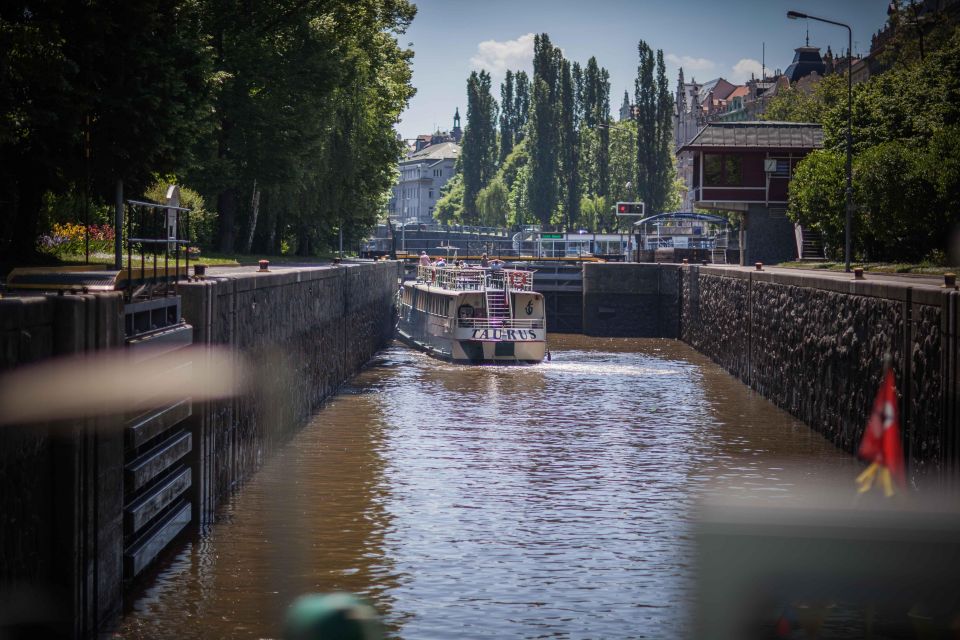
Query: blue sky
point(708, 38)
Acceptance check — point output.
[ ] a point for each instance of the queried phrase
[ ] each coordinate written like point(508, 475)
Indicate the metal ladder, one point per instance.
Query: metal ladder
point(498, 304)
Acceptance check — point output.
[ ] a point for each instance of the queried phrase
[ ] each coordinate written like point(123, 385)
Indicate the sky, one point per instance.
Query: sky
point(708, 38)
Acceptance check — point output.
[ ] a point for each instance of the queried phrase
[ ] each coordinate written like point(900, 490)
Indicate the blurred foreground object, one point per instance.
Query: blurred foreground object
point(881, 441)
point(824, 566)
point(116, 381)
point(336, 616)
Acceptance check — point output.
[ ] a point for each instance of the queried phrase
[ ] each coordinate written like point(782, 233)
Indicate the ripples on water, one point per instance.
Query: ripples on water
point(491, 502)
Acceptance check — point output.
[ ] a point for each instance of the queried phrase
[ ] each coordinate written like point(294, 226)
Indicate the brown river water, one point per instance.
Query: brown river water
point(542, 501)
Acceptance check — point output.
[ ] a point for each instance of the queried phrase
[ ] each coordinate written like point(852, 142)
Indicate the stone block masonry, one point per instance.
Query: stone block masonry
point(304, 332)
point(814, 345)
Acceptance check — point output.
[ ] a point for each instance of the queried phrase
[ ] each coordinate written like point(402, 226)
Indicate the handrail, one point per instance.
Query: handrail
point(476, 278)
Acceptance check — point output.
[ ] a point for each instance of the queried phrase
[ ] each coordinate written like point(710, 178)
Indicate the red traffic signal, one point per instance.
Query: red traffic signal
point(629, 208)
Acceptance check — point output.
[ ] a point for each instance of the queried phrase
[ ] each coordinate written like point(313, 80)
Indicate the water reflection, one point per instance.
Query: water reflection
point(541, 501)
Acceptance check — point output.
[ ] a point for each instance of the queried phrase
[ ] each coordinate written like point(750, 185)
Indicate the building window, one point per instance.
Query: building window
point(721, 170)
point(431, 194)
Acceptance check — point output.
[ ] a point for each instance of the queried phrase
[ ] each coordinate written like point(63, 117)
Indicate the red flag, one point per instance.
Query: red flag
point(881, 440)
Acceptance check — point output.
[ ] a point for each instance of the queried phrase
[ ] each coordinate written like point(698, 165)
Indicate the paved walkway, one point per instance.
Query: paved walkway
point(906, 279)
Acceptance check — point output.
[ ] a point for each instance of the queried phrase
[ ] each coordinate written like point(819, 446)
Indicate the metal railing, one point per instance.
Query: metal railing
point(476, 279)
point(500, 323)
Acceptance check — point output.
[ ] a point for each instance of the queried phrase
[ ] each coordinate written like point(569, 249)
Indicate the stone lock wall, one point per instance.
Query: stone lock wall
point(629, 299)
point(302, 333)
point(815, 347)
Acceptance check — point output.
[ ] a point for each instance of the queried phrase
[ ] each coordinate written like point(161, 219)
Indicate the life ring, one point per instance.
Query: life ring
point(518, 280)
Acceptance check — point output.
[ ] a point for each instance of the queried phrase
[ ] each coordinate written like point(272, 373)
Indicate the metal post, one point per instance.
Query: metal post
point(849, 217)
point(848, 233)
point(118, 228)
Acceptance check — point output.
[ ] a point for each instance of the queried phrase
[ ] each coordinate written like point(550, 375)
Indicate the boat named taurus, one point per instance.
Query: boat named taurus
point(474, 315)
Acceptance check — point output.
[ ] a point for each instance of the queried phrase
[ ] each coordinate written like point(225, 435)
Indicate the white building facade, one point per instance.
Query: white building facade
point(422, 174)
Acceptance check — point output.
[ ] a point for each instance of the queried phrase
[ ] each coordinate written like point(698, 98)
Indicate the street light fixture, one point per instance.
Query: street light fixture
point(796, 15)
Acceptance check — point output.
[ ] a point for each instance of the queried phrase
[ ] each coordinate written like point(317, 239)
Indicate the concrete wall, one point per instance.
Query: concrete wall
point(768, 238)
point(815, 345)
point(626, 299)
point(61, 484)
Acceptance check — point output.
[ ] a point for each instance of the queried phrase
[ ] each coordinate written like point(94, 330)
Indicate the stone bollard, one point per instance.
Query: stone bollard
point(858, 273)
point(685, 261)
point(199, 270)
point(950, 280)
point(758, 266)
point(264, 265)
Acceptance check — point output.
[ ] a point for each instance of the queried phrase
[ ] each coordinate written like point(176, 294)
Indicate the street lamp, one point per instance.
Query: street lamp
point(796, 15)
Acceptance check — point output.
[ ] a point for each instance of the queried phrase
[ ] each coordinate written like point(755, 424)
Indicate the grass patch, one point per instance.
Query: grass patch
point(876, 267)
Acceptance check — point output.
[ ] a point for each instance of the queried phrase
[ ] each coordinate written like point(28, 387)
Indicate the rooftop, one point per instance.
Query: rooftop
point(438, 151)
point(758, 134)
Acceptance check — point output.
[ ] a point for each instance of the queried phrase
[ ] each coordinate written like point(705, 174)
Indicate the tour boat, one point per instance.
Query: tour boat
point(473, 315)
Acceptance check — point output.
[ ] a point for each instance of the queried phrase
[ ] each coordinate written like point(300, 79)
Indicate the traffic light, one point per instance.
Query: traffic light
point(629, 208)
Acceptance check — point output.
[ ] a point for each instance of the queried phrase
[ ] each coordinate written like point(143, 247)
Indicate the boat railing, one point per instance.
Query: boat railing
point(500, 323)
point(475, 278)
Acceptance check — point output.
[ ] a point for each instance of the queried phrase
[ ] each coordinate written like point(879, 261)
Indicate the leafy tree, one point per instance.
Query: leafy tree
point(543, 130)
point(569, 147)
point(508, 117)
point(89, 94)
point(521, 105)
point(817, 197)
point(493, 203)
point(654, 119)
point(520, 212)
point(449, 207)
point(479, 142)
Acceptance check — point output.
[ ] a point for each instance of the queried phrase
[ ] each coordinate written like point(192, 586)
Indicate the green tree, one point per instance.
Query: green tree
point(508, 118)
point(543, 130)
point(89, 94)
point(449, 207)
point(817, 199)
point(479, 142)
point(493, 203)
point(569, 147)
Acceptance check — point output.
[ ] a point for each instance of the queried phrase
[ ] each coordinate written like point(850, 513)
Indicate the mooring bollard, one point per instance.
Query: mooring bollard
point(704, 262)
point(264, 265)
point(759, 266)
point(199, 270)
point(858, 273)
point(685, 261)
point(950, 280)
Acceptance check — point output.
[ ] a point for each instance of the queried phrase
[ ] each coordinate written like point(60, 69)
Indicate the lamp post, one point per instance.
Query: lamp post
point(796, 15)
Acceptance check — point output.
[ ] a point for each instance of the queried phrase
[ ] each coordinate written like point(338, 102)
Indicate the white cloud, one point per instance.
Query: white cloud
point(690, 64)
point(744, 69)
point(496, 56)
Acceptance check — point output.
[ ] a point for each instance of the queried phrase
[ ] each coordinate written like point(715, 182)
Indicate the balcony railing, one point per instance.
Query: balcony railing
point(476, 278)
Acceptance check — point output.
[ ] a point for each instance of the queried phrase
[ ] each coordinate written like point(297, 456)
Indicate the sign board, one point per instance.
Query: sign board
point(551, 236)
point(770, 165)
point(173, 200)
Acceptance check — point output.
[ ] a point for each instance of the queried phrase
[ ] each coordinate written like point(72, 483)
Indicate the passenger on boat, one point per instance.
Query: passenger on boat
point(484, 262)
point(496, 264)
point(424, 259)
point(440, 262)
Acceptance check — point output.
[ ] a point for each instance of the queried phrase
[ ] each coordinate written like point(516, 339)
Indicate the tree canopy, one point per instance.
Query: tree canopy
point(290, 104)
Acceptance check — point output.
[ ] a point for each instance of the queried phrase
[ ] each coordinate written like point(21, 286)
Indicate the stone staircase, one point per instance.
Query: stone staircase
point(812, 245)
